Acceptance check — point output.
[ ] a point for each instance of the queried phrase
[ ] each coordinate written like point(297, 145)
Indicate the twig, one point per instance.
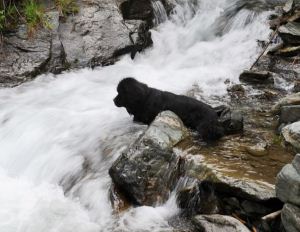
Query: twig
point(267, 45)
point(271, 216)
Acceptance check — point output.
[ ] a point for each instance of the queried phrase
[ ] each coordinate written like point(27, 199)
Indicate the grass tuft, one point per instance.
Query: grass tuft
point(67, 7)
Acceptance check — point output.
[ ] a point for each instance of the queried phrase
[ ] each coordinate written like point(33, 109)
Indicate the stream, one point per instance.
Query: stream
point(60, 134)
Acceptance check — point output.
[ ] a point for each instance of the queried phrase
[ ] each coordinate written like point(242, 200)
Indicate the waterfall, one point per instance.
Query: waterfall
point(60, 134)
point(160, 14)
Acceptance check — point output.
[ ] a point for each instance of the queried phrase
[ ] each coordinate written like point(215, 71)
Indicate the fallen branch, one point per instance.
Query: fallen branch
point(267, 45)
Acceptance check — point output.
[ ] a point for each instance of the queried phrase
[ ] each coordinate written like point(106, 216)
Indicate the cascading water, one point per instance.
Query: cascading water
point(59, 135)
point(160, 14)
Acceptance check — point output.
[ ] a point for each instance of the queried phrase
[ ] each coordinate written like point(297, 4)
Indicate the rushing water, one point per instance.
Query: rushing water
point(60, 134)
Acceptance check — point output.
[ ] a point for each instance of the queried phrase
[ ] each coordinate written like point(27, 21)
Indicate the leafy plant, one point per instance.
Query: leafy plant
point(67, 7)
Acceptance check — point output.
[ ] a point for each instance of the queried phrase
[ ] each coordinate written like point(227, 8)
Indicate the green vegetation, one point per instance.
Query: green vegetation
point(67, 7)
point(34, 15)
point(13, 12)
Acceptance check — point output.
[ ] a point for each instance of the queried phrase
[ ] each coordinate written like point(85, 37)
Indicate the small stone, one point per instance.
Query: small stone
point(258, 150)
point(291, 134)
point(256, 77)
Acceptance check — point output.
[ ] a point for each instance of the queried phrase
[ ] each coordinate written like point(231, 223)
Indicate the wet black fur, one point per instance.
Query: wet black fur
point(145, 103)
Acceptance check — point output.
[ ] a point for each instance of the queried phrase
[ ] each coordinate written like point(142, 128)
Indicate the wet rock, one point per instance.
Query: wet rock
point(288, 51)
point(137, 9)
point(293, 99)
point(290, 33)
point(216, 223)
point(291, 134)
point(91, 37)
point(22, 57)
point(198, 198)
point(290, 114)
point(296, 88)
point(258, 150)
point(232, 185)
point(290, 217)
point(256, 77)
point(288, 182)
point(231, 120)
point(148, 170)
point(95, 36)
point(236, 89)
point(288, 6)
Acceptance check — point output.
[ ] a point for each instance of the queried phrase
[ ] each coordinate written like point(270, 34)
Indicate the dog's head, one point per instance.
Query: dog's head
point(131, 94)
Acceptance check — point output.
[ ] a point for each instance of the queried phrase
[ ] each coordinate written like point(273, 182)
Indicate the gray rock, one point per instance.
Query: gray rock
point(231, 120)
point(293, 99)
point(288, 182)
point(290, 217)
point(256, 77)
point(290, 33)
point(22, 57)
point(288, 6)
point(97, 35)
point(91, 37)
point(291, 134)
point(148, 170)
point(290, 114)
point(218, 223)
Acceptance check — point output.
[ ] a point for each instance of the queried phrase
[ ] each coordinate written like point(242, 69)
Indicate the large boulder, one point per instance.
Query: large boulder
point(91, 37)
point(218, 223)
point(288, 182)
point(149, 169)
point(290, 217)
point(291, 134)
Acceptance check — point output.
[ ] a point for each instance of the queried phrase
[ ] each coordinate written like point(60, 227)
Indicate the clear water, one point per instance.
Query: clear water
point(60, 134)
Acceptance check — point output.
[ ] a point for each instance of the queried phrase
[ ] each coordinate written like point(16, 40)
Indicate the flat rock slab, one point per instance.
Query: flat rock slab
point(227, 181)
point(288, 182)
point(147, 172)
point(256, 77)
point(290, 33)
point(290, 217)
point(291, 134)
point(218, 223)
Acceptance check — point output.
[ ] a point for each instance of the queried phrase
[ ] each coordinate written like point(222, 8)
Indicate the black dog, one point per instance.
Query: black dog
point(145, 103)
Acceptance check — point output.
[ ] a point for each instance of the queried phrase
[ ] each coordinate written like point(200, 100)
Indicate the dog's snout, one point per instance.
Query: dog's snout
point(117, 101)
